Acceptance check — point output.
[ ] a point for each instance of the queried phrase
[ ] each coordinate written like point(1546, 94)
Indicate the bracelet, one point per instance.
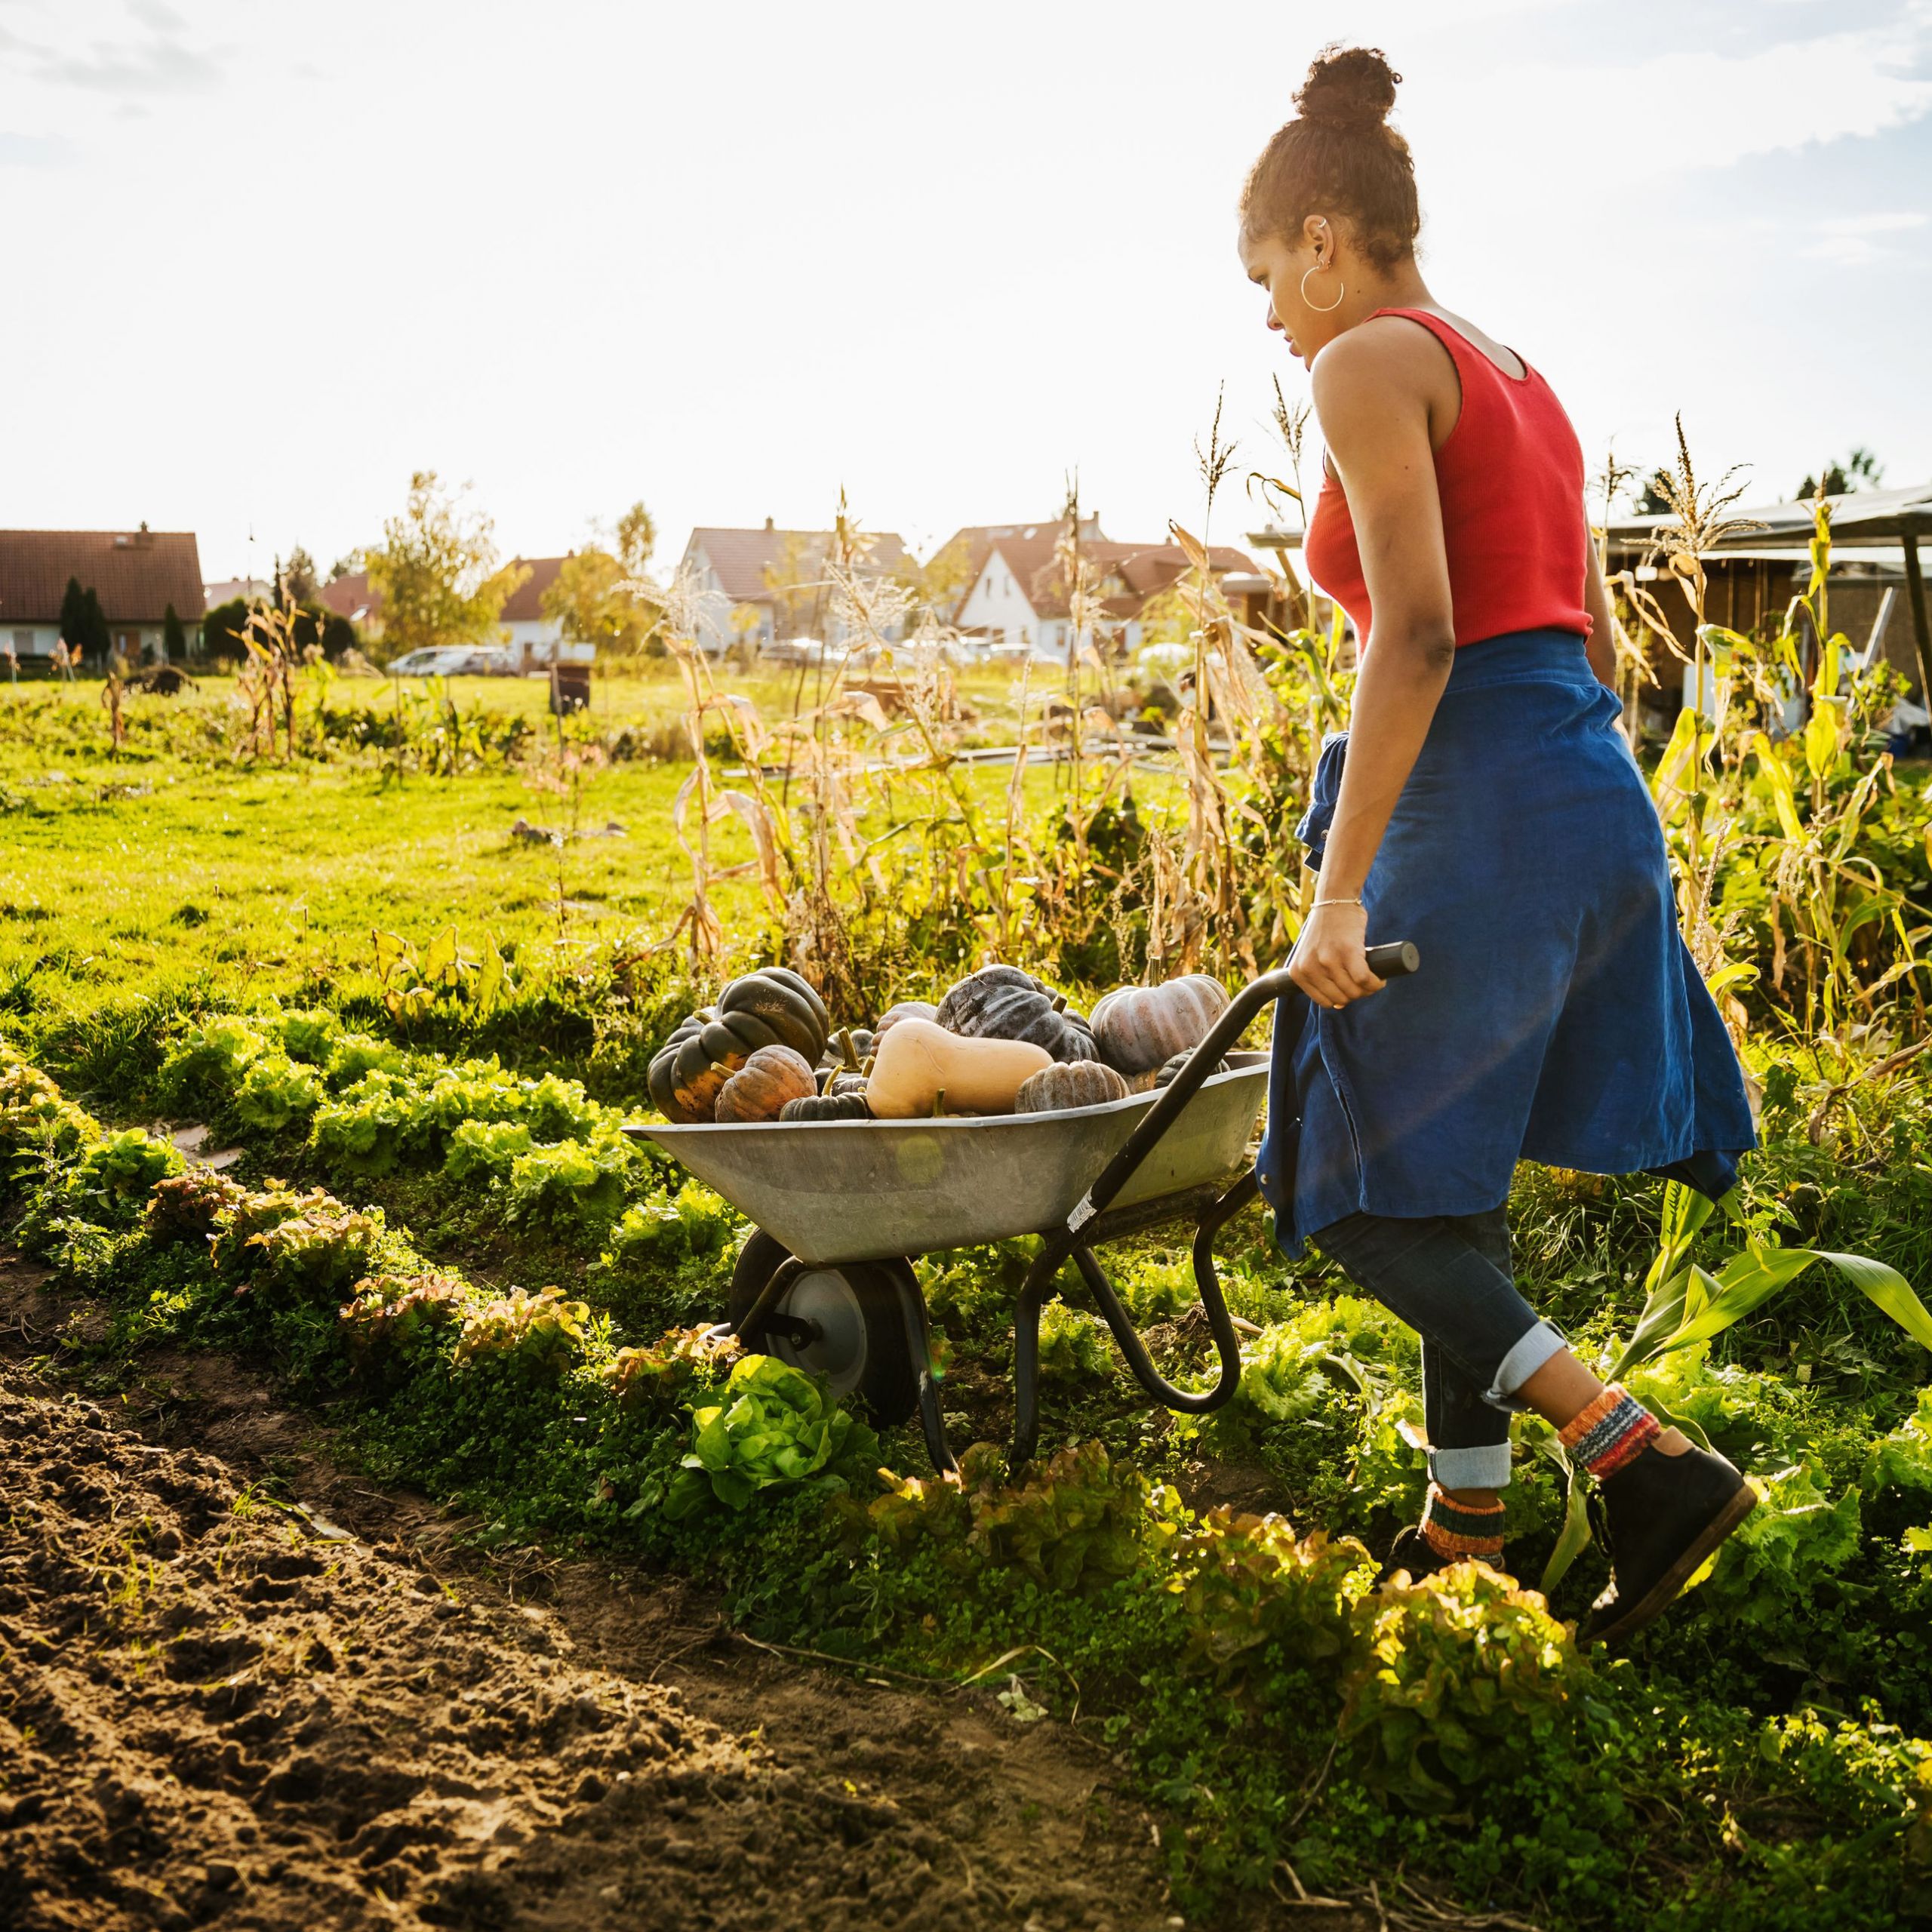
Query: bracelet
point(1320, 903)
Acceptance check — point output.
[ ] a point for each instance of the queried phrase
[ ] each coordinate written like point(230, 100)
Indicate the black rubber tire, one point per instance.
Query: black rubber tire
point(887, 1379)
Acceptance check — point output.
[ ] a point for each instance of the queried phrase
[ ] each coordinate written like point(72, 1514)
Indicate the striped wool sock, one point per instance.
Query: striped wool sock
point(1609, 1432)
point(1457, 1530)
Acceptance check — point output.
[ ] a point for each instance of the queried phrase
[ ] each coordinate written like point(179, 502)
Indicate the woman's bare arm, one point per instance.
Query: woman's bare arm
point(1602, 641)
point(1371, 392)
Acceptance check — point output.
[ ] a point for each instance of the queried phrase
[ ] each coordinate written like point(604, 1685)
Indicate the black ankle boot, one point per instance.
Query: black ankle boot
point(1412, 1551)
point(1661, 1516)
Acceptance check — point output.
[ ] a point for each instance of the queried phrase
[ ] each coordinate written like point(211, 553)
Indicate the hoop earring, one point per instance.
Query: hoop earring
point(1322, 308)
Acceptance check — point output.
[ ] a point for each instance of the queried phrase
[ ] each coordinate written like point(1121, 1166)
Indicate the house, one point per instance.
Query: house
point(533, 638)
point(758, 585)
point(248, 590)
point(979, 538)
point(352, 597)
point(1020, 594)
point(136, 575)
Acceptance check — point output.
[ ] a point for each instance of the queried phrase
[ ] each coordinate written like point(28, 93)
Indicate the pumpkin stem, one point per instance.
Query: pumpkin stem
point(938, 1103)
point(842, 1039)
point(1060, 1002)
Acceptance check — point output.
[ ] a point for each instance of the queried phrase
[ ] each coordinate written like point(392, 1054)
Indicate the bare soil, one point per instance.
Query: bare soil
point(284, 1703)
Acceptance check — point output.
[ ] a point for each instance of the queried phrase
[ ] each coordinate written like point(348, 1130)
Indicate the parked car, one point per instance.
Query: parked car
point(440, 660)
point(1016, 654)
point(793, 650)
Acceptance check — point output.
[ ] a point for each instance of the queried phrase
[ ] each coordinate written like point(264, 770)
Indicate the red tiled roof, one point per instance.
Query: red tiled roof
point(136, 574)
point(1142, 569)
point(525, 604)
point(350, 597)
point(741, 558)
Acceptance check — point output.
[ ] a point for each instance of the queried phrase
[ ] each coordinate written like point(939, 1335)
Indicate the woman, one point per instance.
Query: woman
point(1489, 809)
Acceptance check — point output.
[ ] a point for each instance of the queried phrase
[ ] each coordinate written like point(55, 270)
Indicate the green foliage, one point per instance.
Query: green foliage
point(400, 1315)
point(774, 1425)
point(191, 1207)
point(657, 1379)
point(275, 1093)
point(1073, 1522)
point(1074, 1347)
point(1250, 1586)
point(669, 1225)
point(538, 1335)
point(1769, 1573)
point(1903, 1459)
point(126, 1164)
point(1463, 1671)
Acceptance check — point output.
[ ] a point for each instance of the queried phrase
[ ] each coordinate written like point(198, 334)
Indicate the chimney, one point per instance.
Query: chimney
point(767, 523)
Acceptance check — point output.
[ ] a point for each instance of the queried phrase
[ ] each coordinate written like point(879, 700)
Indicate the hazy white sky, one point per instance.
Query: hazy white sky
point(269, 257)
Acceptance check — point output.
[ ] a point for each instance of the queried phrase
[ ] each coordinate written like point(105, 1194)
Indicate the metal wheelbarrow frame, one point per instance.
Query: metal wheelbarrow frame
point(854, 1213)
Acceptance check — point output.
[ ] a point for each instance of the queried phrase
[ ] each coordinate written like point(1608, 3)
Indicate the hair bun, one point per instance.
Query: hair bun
point(1348, 87)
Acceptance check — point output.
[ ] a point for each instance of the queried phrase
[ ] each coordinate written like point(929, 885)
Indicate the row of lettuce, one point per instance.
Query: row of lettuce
point(1848, 1499)
point(1228, 1656)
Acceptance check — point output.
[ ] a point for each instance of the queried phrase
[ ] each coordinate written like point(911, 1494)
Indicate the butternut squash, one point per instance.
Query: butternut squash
point(917, 1061)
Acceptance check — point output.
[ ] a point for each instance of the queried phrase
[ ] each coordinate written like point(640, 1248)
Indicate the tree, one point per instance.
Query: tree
point(222, 629)
point(96, 639)
point(173, 638)
point(637, 537)
point(74, 616)
point(436, 571)
point(1861, 470)
point(594, 600)
point(938, 583)
point(347, 564)
point(298, 575)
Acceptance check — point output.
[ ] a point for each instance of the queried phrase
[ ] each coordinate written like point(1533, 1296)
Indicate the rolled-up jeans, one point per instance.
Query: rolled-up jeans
point(1448, 1277)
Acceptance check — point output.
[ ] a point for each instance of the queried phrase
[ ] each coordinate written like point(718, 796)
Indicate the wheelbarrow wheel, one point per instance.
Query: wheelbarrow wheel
point(861, 1348)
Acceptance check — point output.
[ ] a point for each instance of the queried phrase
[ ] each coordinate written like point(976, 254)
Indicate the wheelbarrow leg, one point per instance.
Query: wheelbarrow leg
point(751, 1331)
point(1034, 1297)
point(919, 1342)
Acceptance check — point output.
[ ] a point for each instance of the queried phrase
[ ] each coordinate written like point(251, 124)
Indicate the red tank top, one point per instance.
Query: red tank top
point(1511, 480)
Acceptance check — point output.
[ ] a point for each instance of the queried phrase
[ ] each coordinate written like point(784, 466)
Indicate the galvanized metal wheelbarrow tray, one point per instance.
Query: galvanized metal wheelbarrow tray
point(842, 1208)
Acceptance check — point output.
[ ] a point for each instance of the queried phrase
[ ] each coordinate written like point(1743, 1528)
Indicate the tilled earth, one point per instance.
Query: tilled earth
point(216, 1709)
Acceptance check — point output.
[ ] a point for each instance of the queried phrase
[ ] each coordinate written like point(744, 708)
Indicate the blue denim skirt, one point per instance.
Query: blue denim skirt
point(1558, 1015)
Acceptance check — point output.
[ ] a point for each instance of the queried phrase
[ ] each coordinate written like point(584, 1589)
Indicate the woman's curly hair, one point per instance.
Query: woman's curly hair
point(1340, 156)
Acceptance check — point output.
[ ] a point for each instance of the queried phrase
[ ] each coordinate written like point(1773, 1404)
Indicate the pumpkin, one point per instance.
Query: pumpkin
point(660, 1078)
point(760, 1088)
point(1137, 1027)
point(847, 1106)
point(849, 1049)
point(771, 1008)
point(1003, 1003)
point(1165, 1077)
point(906, 1009)
point(784, 1003)
point(840, 1080)
point(920, 1066)
point(1080, 1083)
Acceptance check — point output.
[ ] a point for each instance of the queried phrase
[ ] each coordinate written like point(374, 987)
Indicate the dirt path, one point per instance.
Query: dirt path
point(214, 1709)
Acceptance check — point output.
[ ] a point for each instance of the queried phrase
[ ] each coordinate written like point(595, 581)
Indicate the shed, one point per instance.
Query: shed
point(1765, 559)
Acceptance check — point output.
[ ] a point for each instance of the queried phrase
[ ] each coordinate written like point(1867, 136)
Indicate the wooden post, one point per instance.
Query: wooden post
point(1914, 584)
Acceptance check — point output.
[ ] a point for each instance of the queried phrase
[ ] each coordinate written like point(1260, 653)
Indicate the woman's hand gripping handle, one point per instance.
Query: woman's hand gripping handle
point(1333, 964)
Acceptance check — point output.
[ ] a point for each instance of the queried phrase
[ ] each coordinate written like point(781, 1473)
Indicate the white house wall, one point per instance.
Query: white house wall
point(998, 608)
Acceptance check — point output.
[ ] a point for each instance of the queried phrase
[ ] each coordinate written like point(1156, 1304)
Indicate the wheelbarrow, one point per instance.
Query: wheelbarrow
point(842, 1209)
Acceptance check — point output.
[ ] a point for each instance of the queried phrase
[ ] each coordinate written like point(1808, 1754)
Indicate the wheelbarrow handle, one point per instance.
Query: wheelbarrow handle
point(1394, 961)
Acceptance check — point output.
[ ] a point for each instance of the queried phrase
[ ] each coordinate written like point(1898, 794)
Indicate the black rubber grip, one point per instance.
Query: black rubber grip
point(1395, 961)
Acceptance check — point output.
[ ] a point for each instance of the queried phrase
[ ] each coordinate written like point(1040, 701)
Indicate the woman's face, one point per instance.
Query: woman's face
point(1278, 263)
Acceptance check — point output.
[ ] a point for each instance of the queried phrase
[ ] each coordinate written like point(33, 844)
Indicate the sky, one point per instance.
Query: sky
point(270, 257)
